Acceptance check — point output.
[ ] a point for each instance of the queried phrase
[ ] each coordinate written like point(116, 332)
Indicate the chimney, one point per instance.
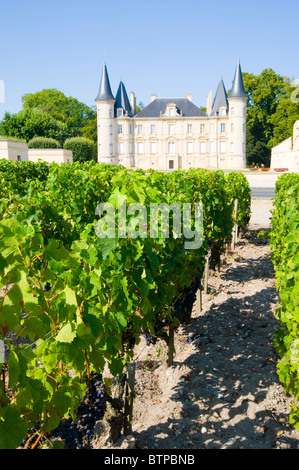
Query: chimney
point(153, 97)
point(189, 96)
point(209, 103)
point(133, 103)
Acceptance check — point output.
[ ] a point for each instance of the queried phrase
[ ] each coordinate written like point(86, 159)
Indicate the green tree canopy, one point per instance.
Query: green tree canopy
point(270, 114)
point(30, 123)
point(83, 149)
point(77, 116)
point(43, 143)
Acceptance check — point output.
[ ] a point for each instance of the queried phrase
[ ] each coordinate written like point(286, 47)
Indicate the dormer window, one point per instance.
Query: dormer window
point(222, 112)
point(120, 112)
point(171, 110)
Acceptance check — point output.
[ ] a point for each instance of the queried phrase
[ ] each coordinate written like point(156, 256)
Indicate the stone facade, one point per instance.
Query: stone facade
point(13, 150)
point(18, 151)
point(50, 155)
point(286, 154)
point(173, 133)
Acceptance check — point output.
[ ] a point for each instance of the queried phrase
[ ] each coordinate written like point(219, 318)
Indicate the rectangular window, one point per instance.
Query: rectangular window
point(202, 128)
point(202, 147)
point(232, 148)
point(222, 128)
point(213, 147)
point(120, 129)
point(130, 129)
point(171, 129)
point(120, 147)
point(171, 148)
point(189, 128)
point(153, 147)
point(110, 130)
point(131, 147)
point(222, 147)
point(171, 164)
point(189, 147)
point(139, 129)
point(140, 147)
point(111, 149)
point(119, 112)
point(153, 129)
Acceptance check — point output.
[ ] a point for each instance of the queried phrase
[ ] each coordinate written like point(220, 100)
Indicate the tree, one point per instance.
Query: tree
point(83, 149)
point(270, 114)
point(43, 143)
point(76, 115)
point(30, 123)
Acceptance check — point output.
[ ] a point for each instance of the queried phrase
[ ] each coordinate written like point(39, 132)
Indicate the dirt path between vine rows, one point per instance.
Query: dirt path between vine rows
point(223, 390)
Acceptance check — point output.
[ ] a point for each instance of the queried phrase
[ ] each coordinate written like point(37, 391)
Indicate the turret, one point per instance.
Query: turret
point(105, 120)
point(237, 100)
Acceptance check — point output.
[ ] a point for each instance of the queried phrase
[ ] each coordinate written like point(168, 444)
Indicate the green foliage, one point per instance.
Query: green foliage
point(83, 149)
point(284, 244)
point(43, 143)
point(49, 113)
point(77, 116)
point(77, 300)
point(239, 188)
point(271, 114)
point(30, 123)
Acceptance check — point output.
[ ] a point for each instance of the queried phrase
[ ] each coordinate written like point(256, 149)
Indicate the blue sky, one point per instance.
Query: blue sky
point(167, 47)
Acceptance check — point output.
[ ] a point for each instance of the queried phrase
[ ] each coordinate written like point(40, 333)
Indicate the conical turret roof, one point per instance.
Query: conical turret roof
point(122, 100)
point(220, 100)
point(105, 92)
point(238, 90)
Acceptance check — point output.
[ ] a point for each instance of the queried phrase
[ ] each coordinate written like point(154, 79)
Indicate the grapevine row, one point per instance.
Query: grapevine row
point(284, 244)
point(72, 301)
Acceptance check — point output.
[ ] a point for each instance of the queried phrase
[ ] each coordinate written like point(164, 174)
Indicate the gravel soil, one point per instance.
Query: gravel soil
point(222, 391)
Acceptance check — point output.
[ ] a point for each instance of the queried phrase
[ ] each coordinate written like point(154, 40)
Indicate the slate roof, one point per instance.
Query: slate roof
point(238, 90)
point(105, 92)
point(157, 107)
point(220, 99)
point(122, 100)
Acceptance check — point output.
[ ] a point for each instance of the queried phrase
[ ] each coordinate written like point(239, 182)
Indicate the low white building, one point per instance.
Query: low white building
point(172, 133)
point(50, 155)
point(19, 151)
point(286, 154)
point(13, 150)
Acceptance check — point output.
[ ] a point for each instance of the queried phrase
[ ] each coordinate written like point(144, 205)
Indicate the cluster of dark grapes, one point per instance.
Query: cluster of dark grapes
point(180, 309)
point(32, 436)
point(77, 434)
point(128, 336)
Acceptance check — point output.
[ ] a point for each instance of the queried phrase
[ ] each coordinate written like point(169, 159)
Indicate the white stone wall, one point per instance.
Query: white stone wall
point(12, 150)
point(237, 133)
point(106, 131)
point(50, 155)
point(286, 154)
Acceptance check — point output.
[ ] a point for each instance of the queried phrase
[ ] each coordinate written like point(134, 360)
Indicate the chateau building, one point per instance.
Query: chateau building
point(285, 155)
point(172, 133)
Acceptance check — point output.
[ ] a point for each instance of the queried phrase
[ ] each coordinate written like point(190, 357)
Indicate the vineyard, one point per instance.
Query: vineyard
point(74, 305)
